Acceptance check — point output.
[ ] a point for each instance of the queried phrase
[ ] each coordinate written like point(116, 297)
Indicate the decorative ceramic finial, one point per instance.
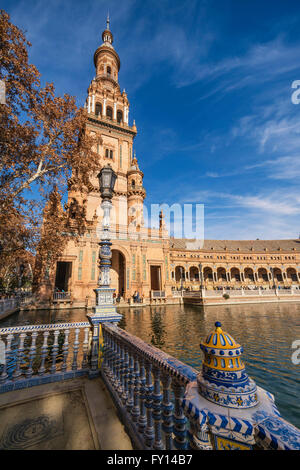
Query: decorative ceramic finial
point(223, 379)
point(107, 21)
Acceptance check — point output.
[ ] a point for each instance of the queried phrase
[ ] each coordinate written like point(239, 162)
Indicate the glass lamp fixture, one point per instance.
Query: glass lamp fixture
point(107, 178)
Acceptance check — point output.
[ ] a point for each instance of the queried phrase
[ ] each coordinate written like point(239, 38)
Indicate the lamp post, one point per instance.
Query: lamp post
point(105, 309)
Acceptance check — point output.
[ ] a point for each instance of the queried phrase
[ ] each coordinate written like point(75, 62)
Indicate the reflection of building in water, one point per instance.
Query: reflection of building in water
point(158, 330)
point(146, 260)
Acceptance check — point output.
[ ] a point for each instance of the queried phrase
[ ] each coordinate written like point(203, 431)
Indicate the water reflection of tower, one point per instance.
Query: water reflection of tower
point(158, 330)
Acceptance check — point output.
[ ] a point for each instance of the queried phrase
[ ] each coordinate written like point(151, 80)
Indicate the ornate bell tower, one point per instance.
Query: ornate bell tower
point(135, 259)
point(108, 110)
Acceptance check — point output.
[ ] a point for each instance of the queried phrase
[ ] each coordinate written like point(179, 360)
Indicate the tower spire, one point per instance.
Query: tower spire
point(107, 36)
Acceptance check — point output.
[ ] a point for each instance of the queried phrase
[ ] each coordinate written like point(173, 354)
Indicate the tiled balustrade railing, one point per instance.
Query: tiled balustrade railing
point(37, 354)
point(148, 387)
point(135, 373)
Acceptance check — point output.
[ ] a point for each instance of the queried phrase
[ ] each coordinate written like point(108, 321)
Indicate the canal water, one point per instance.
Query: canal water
point(266, 331)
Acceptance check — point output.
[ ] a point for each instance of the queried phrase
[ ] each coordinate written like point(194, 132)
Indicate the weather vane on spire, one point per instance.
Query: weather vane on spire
point(107, 21)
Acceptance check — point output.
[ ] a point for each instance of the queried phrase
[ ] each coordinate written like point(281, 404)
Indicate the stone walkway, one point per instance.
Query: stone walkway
point(73, 415)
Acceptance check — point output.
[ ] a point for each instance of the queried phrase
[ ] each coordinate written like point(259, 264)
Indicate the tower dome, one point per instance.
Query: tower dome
point(105, 53)
point(223, 379)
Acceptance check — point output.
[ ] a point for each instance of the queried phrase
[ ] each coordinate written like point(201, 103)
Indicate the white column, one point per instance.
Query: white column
point(104, 107)
point(93, 104)
point(115, 111)
point(89, 104)
point(126, 114)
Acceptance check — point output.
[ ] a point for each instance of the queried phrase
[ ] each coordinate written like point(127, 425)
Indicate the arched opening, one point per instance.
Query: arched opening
point(194, 274)
point(109, 112)
point(262, 274)
point(63, 276)
point(108, 70)
point(119, 116)
point(249, 274)
point(291, 274)
point(179, 273)
point(235, 275)
point(98, 110)
point(221, 274)
point(208, 274)
point(277, 275)
point(117, 273)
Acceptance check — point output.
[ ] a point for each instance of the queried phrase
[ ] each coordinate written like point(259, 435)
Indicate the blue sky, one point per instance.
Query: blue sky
point(209, 83)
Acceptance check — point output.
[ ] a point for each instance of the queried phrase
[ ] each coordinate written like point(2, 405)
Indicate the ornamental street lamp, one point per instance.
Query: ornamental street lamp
point(105, 309)
point(107, 178)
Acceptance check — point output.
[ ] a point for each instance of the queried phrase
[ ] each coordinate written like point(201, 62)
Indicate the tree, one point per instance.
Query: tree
point(43, 145)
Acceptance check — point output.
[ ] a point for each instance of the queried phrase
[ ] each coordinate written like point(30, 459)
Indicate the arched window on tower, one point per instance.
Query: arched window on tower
point(98, 110)
point(107, 153)
point(119, 116)
point(109, 112)
point(133, 184)
point(108, 70)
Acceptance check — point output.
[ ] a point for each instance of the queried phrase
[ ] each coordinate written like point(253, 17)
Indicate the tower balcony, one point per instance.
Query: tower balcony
point(108, 121)
point(136, 190)
point(109, 77)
